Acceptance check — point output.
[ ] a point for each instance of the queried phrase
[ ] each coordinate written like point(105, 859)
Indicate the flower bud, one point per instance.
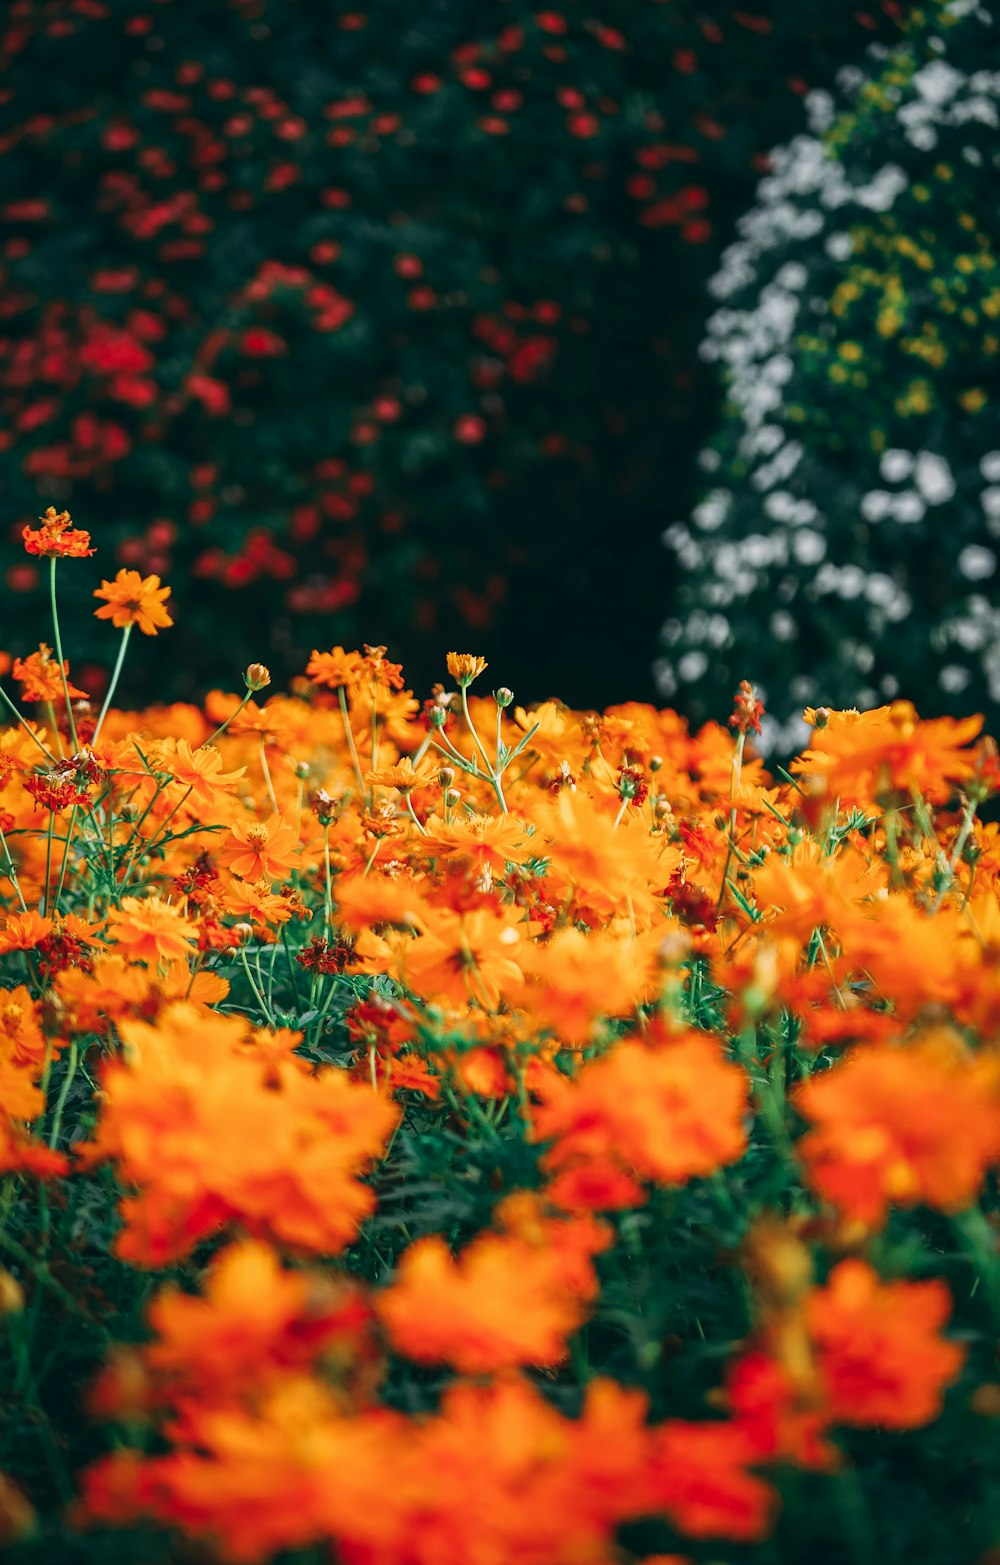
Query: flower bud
point(243, 933)
point(446, 776)
point(302, 770)
point(11, 1294)
point(655, 763)
point(503, 697)
point(257, 676)
point(452, 797)
point(437, 716)
point(822, 715)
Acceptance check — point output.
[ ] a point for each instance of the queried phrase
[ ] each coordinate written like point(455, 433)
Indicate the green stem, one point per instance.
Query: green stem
point(114, 683)
point(223, 726)
point(26, 726)
point(59, 652)
point(65, 861)
point(64, 1093)
point(349, 735)
point(12, 872)
point(267, 776)
point(260, 998)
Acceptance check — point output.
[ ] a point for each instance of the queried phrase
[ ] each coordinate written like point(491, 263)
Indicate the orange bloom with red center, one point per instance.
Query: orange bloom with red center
point(40, 678)
point(902, 1126)
point(668, 1113)
point(260, 849)
point(148, 929)
point(132, 599)
point(57, 538)
point(882, 1359)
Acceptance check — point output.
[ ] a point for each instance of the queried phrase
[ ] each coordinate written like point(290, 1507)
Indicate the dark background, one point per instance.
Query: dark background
point(377, 325)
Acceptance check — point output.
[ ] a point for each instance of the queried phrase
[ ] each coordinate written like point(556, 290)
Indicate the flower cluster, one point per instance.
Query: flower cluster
point(418, 1146)
point(851, 497)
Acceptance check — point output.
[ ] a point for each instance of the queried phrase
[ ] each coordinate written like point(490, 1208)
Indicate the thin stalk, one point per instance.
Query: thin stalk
point(43, 906)
point(26, 726)
point(260, 998)
point(223, 726)
point(67, 842)
point(349, 734)
point(267, 776)
point(74, 1055)
point(59, 653)
point(114, 683)
point(12, 872)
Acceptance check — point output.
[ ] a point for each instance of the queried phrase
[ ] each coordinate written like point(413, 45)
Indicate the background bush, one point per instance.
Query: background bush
point(846, 550)
point(379, 325)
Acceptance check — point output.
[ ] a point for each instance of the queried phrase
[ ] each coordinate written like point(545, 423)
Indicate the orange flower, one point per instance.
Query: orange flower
point(576, 981)
point(465, 666)
point(23, 931)
point(902, 1126)
point(21, 1038)
point(199, 772)
point(668, 1113)
point(207, 1131)
point(403, 776)
point(882, 1360)
point(890, 748)
point(259, 850)
point(134, 600)
point(148, 929)
point(506, 1301)
point(57, 538)
point(462, 957)
point(335, 669)
point(482, 839)
point(254, 900)
point(700, 1477)
point(39, 676)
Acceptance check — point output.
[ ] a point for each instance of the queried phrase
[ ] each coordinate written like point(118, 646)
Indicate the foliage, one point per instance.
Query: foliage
point(452, 1131)
point(855, 507)
point(377, 316)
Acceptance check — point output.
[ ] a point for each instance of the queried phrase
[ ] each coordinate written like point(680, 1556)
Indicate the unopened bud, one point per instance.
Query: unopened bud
point(503, 697)
point(452, 797)
point(11, 1294)
point(302, 770)
point(243, 933)
point(655, 763)
point(446, 776)
point(437, 716)
point(257, 676)
point(822, 715)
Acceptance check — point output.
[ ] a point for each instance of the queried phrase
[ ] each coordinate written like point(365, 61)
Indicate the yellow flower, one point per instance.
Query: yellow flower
point(465, 666)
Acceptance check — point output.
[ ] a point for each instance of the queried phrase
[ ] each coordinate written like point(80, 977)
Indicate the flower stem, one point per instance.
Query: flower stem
point(59, 652)
point(349, 734)
point(26, 726)
point(114, 682)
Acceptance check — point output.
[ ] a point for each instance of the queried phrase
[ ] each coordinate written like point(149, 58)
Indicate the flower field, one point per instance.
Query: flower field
point(440, 1133)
